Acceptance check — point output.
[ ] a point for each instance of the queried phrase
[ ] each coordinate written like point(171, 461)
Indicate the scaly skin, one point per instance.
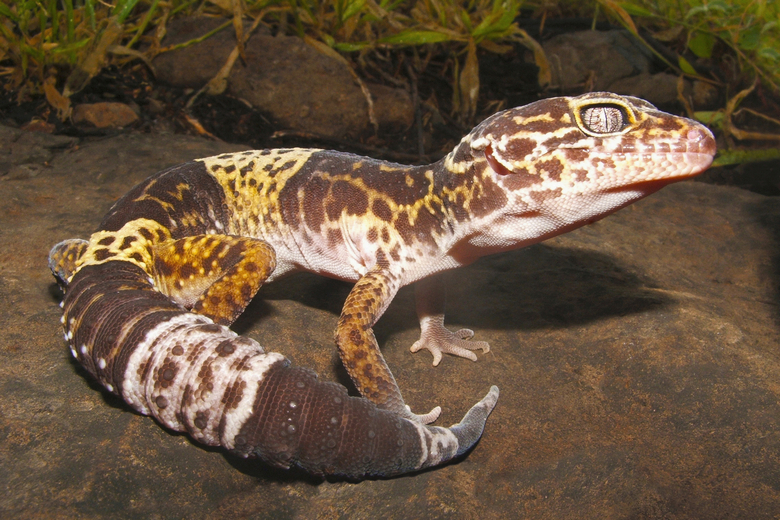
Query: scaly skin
point(150, 295)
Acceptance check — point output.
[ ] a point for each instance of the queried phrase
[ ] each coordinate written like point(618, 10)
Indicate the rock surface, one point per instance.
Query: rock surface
point(611, 61)
point(104, 114)
point(575, 58)
point(284, 77)
point(637, 359)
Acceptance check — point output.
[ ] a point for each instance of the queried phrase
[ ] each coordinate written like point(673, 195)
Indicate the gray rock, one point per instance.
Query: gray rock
point(20, 148)
point(659, 89)
point(284, 77)
point(597, 57)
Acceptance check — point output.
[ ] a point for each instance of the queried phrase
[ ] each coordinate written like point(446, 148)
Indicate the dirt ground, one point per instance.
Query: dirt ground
point(637, 359)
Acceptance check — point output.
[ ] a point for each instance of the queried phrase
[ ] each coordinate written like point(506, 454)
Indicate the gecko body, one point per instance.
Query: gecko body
point(149, 297)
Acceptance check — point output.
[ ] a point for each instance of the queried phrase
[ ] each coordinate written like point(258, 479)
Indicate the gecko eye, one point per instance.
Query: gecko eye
point(604, 119)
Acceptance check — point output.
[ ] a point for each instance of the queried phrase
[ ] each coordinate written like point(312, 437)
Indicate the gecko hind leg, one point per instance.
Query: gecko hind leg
point(213, 275)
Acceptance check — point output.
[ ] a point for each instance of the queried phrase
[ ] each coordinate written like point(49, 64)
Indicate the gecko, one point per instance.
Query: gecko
point(149, 297)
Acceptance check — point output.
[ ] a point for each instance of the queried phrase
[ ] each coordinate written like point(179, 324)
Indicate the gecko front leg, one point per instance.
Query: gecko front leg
point(358, 347)
point(430, 295)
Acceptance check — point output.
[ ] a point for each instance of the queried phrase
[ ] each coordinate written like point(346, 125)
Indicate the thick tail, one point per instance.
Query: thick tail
point(196, 376)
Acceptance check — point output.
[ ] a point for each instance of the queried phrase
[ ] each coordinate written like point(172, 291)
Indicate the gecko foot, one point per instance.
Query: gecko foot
point(439, 340)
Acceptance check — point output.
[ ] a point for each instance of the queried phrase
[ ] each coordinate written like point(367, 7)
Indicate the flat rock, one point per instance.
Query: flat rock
point(637, 359)
point(28, 148)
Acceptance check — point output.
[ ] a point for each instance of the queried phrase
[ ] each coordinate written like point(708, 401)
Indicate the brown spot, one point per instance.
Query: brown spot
point(381, 210)
point(178, 350)
point(605, 162)
point(137, 257)
point(576, 154)
point(161, 401)
point(519, 148)
point(168, 374)
point(148, 235)
point(670, 124)
point(355, 337)
point(567, 138)
point(394, 253)
point(210, 328)
point(225, 348)
point(186, 270)
point(385, 236)
point(106, 241)
point(520, 179)
point(102, 254)
point(200, 422)
point(553, 167)
point(163, 267)
point(372, 235)
point(247, 168)
point(344, 195)
point(491, 198)
point(555, 108)
point(541, 196)
point(314, 202)
point(286, 166)
point(404, 228)
point(127, 242)
point(580, 175)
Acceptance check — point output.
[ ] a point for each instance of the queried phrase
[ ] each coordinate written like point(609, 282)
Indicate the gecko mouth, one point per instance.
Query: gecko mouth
point(494, 163)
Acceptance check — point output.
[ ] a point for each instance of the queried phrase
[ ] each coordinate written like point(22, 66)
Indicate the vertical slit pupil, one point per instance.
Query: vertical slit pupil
point(604, 119)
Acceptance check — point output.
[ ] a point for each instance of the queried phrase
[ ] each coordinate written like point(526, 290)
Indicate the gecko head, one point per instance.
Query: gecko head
point(563, 162)
point(594, 142)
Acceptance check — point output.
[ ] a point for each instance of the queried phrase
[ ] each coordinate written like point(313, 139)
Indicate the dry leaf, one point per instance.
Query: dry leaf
point(59, 102)
point(544, 77)
point(469, 83)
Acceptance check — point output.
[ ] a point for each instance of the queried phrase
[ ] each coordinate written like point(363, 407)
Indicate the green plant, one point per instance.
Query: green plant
point(750, 29)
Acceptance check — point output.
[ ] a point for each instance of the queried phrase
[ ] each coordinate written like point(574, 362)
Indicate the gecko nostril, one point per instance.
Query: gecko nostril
point(701, 140)
point(695, 135)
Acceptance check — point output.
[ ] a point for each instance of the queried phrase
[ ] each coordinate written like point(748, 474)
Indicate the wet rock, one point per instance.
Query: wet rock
point(282, 76)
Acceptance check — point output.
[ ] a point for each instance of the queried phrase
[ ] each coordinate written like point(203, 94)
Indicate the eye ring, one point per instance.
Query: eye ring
point(603, 119)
